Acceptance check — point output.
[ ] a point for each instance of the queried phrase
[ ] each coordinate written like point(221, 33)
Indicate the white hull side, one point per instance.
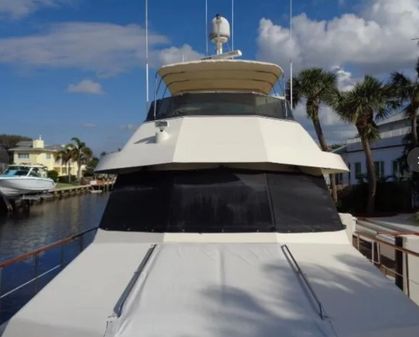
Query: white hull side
point(15, 186)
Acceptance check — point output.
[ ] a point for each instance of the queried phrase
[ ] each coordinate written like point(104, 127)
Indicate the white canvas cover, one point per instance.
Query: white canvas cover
point(233, 285)
point(218, 290)
point(220, 75)
point(251, 290)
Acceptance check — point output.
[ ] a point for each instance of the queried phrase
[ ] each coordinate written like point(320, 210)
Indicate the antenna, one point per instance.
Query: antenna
point(206, 27)
point(220, 33)
point(146, 53)
point(232, 24)
point(291, 63)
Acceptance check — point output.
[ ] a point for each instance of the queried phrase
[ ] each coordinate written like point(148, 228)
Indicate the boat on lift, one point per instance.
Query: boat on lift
point(220, 223)
point(18, 180)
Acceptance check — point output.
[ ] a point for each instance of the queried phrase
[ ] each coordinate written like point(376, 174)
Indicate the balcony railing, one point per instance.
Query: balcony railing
point(384, 134)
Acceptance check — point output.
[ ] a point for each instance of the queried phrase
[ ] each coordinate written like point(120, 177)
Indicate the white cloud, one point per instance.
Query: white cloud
point(88, 125)
point(377, 40)
point(17, 9)
point(345, 81)
point(104, 48)
point(129, 127)
point(335, 130)
point(86, 87)
point(175, 54)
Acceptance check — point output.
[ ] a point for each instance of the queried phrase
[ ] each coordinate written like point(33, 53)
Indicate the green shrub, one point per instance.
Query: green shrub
point(64, 179)
point(52, 174)
point(391, 197)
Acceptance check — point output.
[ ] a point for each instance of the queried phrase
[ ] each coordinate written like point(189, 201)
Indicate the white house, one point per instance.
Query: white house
point(386, 152)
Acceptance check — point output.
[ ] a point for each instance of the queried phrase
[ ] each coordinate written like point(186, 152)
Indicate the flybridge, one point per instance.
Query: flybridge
point(221, 75)
point(219, 72)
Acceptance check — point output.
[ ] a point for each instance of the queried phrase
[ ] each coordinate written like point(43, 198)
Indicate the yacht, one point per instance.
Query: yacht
point(220, 223)
point(20, 180)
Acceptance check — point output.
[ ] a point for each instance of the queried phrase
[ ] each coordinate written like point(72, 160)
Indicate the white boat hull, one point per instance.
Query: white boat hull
point(15, 186)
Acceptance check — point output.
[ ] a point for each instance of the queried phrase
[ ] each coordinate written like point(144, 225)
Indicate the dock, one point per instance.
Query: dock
point(24, 202)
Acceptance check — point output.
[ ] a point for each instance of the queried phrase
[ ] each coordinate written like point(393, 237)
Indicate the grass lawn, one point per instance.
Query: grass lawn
point(64, 185)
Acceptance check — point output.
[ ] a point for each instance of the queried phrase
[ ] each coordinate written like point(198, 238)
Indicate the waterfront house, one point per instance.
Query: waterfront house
point(386, 153)
point(36, 152)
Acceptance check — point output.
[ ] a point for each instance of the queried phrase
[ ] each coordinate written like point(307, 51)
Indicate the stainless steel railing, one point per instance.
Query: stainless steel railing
point(38, 272)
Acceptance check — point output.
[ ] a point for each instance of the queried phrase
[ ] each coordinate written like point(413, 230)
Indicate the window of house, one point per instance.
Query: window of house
point(379, 169)
point(23, 155)
point(349, 173)
point(396, 168)
point(339, 179)
point(358, 171)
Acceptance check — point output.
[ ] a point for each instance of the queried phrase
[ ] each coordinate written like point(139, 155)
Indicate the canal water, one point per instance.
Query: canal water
point(48, 222)
point(44, 224)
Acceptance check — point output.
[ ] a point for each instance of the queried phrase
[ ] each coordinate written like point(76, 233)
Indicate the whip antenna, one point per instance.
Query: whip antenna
point(206, 27)
point(146, 53)
point(232, 24)
point(291, 63)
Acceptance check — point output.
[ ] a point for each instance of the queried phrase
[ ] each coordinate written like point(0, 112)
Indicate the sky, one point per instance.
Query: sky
point(77, 67)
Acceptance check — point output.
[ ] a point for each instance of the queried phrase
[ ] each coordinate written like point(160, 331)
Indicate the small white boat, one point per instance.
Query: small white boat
point(25, 179)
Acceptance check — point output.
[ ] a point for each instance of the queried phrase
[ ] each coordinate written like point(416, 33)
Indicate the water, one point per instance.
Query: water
point(49, 222)
point(46, 223)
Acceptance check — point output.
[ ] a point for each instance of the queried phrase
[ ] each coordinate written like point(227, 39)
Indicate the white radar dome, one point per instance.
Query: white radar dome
point(220, 29)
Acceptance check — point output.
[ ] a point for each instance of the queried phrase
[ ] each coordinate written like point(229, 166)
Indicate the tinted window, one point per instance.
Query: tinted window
point(220, 104)
point(220, 201)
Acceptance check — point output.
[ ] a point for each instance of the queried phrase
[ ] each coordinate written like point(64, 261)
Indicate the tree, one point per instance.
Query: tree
point(10, 141)
point(367, 101)
point(80, 153)
point(65, 155)
point(90, 166)
point(317, 87)
point(406, 93)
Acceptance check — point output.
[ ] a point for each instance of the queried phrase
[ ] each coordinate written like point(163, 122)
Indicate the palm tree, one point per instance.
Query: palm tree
point(80, 153)
point(65, 155)
point(367, 101)
point(406, 91)
point(317, 87)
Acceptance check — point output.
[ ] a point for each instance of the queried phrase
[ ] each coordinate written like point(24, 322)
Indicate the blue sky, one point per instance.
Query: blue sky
point(76, 67)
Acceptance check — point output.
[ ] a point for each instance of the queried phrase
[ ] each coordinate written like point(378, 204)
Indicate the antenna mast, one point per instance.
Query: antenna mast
point(291, 63)
point(146, 54)
point(232, 24)
point(206, 27)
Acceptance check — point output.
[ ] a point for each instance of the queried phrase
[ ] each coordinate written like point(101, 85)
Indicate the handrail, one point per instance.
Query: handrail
point(121, 301)
point(372, 237)
point(55, 244)
point(296, 267)
point(387, 230)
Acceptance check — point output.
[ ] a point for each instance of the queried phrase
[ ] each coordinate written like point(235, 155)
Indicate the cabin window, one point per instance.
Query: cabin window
point(221, 200)
point(223, 104)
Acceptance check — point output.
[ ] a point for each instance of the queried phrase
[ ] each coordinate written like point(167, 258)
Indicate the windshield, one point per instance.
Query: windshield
point(204, 104)
point(220, 200)
point(16, 171)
